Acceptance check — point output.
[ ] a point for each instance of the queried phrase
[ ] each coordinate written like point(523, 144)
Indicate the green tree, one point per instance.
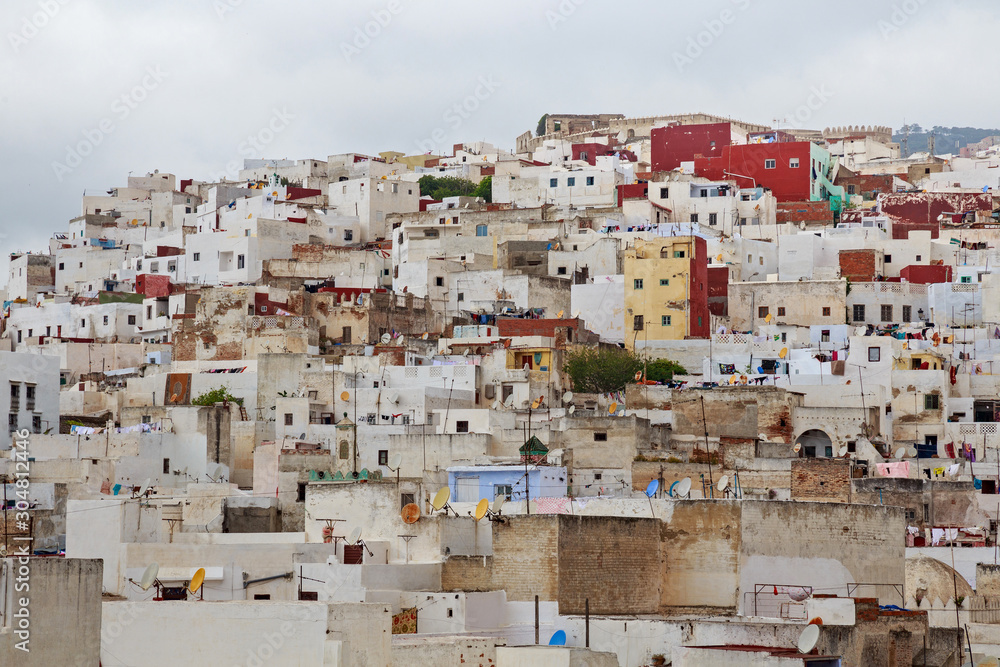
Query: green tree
point(217, 395)
point(540, 130)
point(663, 370)
point(446, 186)
point(601, 370)
point(484, 189)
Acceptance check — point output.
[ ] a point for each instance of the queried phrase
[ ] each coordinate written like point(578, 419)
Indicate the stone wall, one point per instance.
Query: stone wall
point(821, 480)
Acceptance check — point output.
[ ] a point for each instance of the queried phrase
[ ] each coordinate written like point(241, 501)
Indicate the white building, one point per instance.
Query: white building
point(30, 393)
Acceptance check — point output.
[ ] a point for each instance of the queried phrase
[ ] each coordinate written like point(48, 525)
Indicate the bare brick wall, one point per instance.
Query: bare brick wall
point(525, 557)
point(858, 265)
point(613, 561)
point(821, 480)
point(467, 573)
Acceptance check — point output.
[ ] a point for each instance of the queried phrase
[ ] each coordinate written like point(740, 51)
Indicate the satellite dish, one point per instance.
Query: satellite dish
point(355, 535)
point(767, 318)
point(395, 461)
point(760, 369)
point(652, 488)
point(761, 436)
point(719, 258)
point(684, 487)
point(149, 576)
point(144, 488)
point(496, 405)
point(576, 314)
point(559, 314)
point(670, 491)
point(558, 638)
point(534, 404)
point(621, 412)
point(386, 339)
point(843, 451)
point(498, 503)
point(441, 498)
point(345, 396)
point(613, 408)
point(510, 401)
point(808, 638)
point(572, 409)
point(900, 453)
point(424, 337)
point(410, 513)
point(481, 508)
point(723, 483)
point(783, 353)
point(197, 580)
point(568, 397)
point(400, 340)
point(218, 472)
point(797, 447)
point(732, 379)
point(638, 375)
point(911, 452)
point(393, 397)
point(526, 367)
point(860, 331)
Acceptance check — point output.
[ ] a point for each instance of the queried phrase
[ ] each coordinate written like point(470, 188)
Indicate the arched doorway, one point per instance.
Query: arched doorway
point(815, 443)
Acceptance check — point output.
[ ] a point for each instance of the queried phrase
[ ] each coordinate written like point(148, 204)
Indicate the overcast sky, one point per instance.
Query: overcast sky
point(92, 90)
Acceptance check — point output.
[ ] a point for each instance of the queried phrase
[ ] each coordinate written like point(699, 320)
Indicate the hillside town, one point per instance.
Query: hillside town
point(674, 390)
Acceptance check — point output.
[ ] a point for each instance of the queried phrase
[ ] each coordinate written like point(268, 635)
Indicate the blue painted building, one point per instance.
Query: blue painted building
point(470, 484)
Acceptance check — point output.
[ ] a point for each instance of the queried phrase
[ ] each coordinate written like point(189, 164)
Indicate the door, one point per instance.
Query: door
point(467, 489)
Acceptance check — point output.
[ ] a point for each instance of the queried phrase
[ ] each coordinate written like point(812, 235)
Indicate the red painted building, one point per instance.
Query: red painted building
point(632, 191)
point(699, 320)
point(911, 211)
point(151, 285)
point(922, 274)
point(718, 290)
point(669, 146)
point(784, 168)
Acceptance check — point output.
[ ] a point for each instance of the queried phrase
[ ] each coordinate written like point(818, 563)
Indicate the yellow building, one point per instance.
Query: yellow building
point(666, 291)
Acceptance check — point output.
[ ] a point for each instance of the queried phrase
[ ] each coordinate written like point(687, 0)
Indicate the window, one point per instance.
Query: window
point(171, 266)
point(131, 320)
point(196, 257)
point(590, 180)
point(965, 279)
point(288, 419)
point(918, 258)
point(907, 313)
point(553, 182)
point(502, 490)
point(762, 311)
point(886, 313)
point(824, 336)
point(31, 331)
point(383, 457)
point(462, 426)
point(637, 324)
point(105, 323)
point(678, 254)
point(713, 218)
point(406, 499)
point(240, 262)
point(694, 217)
point(770, 164)
point(859, 312)
point(793, 163)
point(600, 436)
point(439, 281)
point(888, 259)
point(36, 425)
point(664, 282)
point(826, 311)
point(781, 311)
point(665, 320)
point(932, 402)
point(561, 271)
point(348, 234)
point(154, 266)
point(83, 323)
point(166, 466)
point(62, 266)
point(850, 190)
point(571, 181)
point(874, 354)
point(637, 283)
point(664, 193)
point(461, 296)
point(12, 421)
point(481, 230)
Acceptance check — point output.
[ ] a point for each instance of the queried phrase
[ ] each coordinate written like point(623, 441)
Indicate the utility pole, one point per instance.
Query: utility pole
point(708, 453)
